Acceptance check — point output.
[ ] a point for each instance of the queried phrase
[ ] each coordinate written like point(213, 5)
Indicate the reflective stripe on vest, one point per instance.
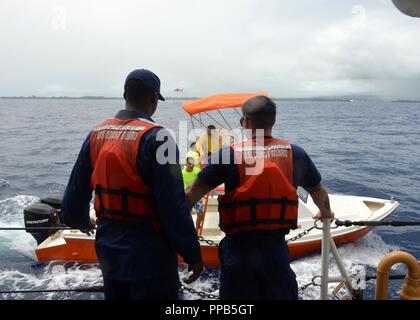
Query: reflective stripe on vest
point(267, 200)
point(120, 192)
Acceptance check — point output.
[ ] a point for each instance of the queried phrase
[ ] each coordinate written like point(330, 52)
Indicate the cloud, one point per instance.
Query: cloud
point(367, 60)
point(288, 48)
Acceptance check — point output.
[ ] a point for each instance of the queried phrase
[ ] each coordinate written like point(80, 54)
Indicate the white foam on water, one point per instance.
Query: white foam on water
point(59, 276)
point(11, 215)
point(366, 252)
point(54, 276)
point(12, 207)
point(50, 276)
point(208, 284)
point(356, 256)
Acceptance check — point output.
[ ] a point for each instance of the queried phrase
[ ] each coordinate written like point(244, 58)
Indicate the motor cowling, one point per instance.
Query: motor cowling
point(53, 200)
point(43, 214)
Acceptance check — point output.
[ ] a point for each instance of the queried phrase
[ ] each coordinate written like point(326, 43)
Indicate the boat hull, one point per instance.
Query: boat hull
point(83, 250)
point(72, 245)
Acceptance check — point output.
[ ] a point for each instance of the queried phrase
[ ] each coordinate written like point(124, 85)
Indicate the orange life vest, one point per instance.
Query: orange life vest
point(120, 192)
point(266, 198)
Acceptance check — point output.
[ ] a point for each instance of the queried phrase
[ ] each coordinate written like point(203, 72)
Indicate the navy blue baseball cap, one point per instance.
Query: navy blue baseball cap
point(150, 81)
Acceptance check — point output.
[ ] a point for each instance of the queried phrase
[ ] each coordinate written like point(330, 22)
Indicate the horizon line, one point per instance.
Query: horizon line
point(344, 98)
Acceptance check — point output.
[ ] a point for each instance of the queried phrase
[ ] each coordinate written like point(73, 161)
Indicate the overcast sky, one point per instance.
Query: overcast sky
point(288, 48)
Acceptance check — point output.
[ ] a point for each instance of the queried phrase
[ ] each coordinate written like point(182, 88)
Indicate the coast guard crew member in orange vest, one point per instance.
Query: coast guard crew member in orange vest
point(260, 206)
point(143, 218)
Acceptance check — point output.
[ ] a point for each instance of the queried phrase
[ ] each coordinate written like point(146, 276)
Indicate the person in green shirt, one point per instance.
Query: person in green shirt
point(189, 173)
point(193, 153)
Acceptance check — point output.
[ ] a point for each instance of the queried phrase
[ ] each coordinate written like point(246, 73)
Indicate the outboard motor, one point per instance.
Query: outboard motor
point(43, 214)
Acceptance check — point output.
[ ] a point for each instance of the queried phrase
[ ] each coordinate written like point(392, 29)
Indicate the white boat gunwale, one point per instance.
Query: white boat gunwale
point(383, 209)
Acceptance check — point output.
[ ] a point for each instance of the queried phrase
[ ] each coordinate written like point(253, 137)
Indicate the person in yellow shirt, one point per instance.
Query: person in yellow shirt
point(189, 173)
point(210, 142)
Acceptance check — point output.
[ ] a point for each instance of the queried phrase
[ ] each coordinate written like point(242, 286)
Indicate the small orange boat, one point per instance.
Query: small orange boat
point(72, 245)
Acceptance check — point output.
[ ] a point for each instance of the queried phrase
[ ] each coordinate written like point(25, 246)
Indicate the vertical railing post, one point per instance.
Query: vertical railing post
point(325, 254)
point(328, 245)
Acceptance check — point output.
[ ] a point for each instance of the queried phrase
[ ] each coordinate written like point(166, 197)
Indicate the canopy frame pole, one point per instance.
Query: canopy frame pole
point(239, 114)
point(201, 227)
point(198, 120)
point(192, 123)
point(227, 123)
point(217, 122)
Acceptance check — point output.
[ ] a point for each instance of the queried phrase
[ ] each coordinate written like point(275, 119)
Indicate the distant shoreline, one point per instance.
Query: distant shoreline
point(320, 99)
point(406, 101)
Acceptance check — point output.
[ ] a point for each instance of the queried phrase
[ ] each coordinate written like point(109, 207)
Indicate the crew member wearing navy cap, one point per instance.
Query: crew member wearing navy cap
point(143, 218)
point(260, 206)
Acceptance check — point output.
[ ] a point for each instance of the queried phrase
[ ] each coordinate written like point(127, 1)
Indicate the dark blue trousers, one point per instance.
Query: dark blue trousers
point(256, 266)
point(153, 289)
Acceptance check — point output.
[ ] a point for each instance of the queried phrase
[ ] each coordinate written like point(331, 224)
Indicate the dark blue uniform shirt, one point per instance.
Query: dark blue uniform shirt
point(136, 252)
point(305, 174)
point(217, 172)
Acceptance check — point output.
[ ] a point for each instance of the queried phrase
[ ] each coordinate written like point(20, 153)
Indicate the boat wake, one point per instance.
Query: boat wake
point(360, 257)
point(52, 276)
point(11, 216)
point(23, 272)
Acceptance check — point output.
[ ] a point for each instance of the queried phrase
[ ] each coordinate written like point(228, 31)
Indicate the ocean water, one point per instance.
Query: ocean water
point(365, 148)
